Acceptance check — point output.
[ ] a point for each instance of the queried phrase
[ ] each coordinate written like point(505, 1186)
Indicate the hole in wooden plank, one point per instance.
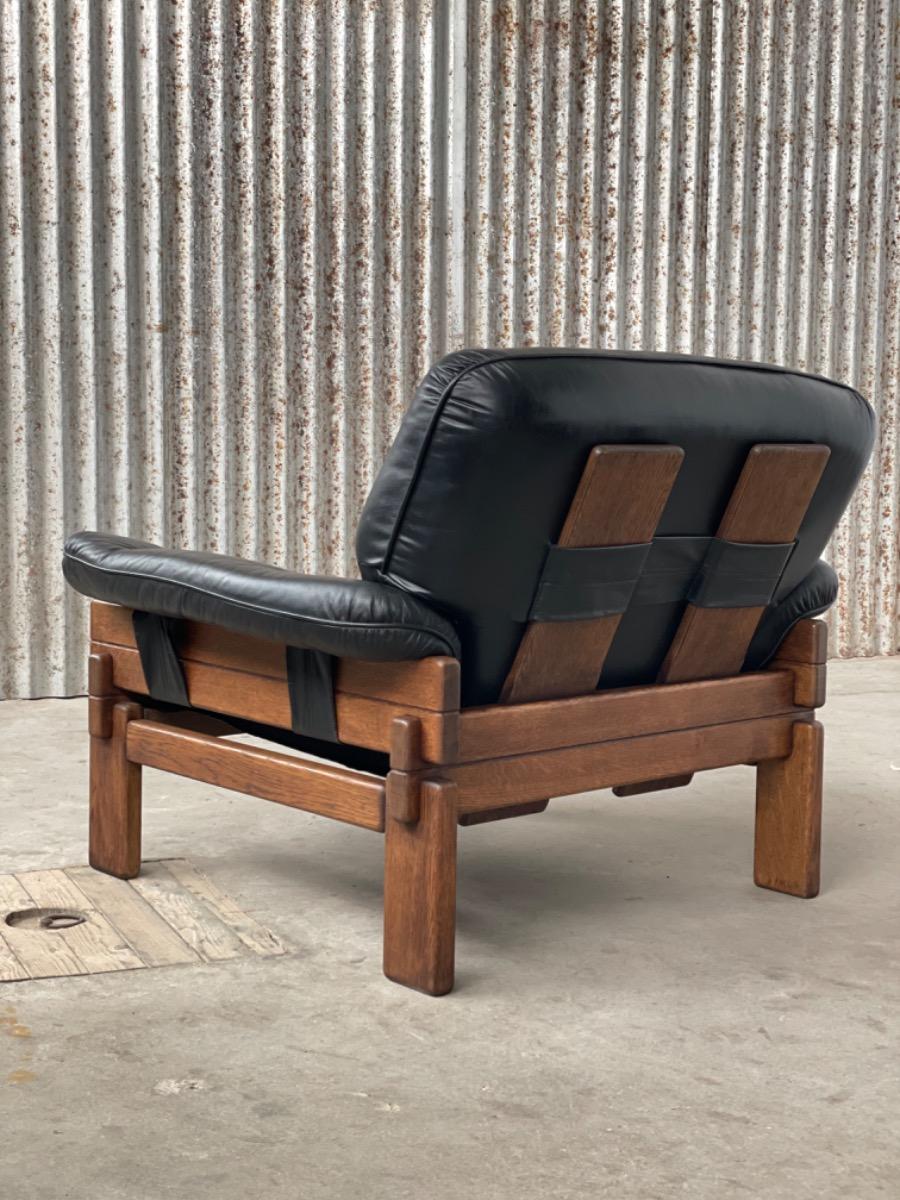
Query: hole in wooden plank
point(44, 918)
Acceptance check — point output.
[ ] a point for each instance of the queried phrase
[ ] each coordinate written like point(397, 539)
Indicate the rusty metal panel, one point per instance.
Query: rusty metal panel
point(233, 234)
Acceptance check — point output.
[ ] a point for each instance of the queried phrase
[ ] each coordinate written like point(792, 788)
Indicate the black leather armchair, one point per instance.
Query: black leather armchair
point(580, 570)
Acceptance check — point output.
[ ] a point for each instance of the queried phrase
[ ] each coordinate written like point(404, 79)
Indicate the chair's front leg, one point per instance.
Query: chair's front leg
point(420, 892)
point(115, 823)
point(789, 816)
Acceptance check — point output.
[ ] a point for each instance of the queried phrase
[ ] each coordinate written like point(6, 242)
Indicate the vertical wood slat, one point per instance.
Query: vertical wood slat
point(767, 506)
point(619, 501)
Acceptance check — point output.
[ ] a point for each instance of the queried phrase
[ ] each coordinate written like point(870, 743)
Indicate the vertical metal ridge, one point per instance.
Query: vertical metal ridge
point(234, 235)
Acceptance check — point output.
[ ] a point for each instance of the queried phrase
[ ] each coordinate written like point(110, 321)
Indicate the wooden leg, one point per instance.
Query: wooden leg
point(115, 824)
point(789, 816)
point(420, 893)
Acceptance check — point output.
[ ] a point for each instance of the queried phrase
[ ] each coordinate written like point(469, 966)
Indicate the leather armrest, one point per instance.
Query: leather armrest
point(345, 617)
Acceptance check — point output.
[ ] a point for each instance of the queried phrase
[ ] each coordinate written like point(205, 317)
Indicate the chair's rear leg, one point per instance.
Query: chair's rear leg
point(420, 892)
point(789, 816)
point(115, 823)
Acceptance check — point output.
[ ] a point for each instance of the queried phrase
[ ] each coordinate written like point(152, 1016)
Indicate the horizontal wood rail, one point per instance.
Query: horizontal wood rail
point(516, 780)
point(264, 699)
point(622, 712)
point(431, 683)
point(330, 791)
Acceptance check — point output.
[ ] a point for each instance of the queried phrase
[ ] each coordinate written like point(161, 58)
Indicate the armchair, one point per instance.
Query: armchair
point(579, 570)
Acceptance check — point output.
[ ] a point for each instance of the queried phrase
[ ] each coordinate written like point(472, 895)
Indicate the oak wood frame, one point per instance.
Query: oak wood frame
point(476, 765)
point(551, 734)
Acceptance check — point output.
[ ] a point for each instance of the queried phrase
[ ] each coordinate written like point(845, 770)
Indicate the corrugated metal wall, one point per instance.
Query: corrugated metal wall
point(234, 233)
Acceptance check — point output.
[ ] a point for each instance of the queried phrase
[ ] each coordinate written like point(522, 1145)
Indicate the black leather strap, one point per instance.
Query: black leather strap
point(159, 659)
point(310, 675)
point(578, 584)
point(739, 574)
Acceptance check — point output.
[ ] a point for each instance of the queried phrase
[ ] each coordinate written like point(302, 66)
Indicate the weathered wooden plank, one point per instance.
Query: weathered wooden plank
point(154, 941)
point(192, 920)
point(96, 943)
point(259, 939)
point(42, 955)
point(10, 967)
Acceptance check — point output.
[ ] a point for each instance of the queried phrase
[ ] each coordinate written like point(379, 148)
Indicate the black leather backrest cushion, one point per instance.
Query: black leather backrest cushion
point(480, 477)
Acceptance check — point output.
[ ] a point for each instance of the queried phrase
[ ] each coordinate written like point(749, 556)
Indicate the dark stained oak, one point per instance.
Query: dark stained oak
point(420, 893)
point(767, 506)
point(503, 814)
point(361, 721)
point(803, 652)
point(789, 816)
point(653, 785)
point(431, 683)
point(495, 783)
point(331, 791)
point(619, 501)
point(494, 731)
point(115, 798)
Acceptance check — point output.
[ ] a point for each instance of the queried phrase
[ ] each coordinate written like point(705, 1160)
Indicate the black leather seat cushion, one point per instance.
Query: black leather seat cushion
point(487, 459)
point(346, 617)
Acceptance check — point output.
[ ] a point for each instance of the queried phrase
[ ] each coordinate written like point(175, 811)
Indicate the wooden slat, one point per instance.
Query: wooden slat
point(493, 731)
point(286, 779)
point(619, 501)
point(42, 957)
point(492, 784)
point(152, 939)
point(191, 919)
point(431, 683)
point(767, 506)
point(255, 936)
point(487, 815)
point(99, 946)
point(360, 721)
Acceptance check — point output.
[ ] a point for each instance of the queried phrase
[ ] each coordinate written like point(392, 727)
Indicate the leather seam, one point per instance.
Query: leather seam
point(256, 608)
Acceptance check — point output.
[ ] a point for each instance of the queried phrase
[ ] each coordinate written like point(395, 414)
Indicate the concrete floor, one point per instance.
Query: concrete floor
point(633, 1018)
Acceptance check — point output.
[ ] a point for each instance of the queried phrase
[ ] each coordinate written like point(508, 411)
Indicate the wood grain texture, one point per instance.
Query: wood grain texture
point(331, 791)
point(189, 916)
point(767, 506)
point(115, 799)
point(495, 731)
point(619, 501)
point(431, 683)
point(360, 721)
point(807, 642)
point(789, 816)
point(99, 946)
point(515, 780)
point(503, 814)
point(41, 957)
point(404, 778)
point(804, 652)
point(420, 893)
point(152, 938)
